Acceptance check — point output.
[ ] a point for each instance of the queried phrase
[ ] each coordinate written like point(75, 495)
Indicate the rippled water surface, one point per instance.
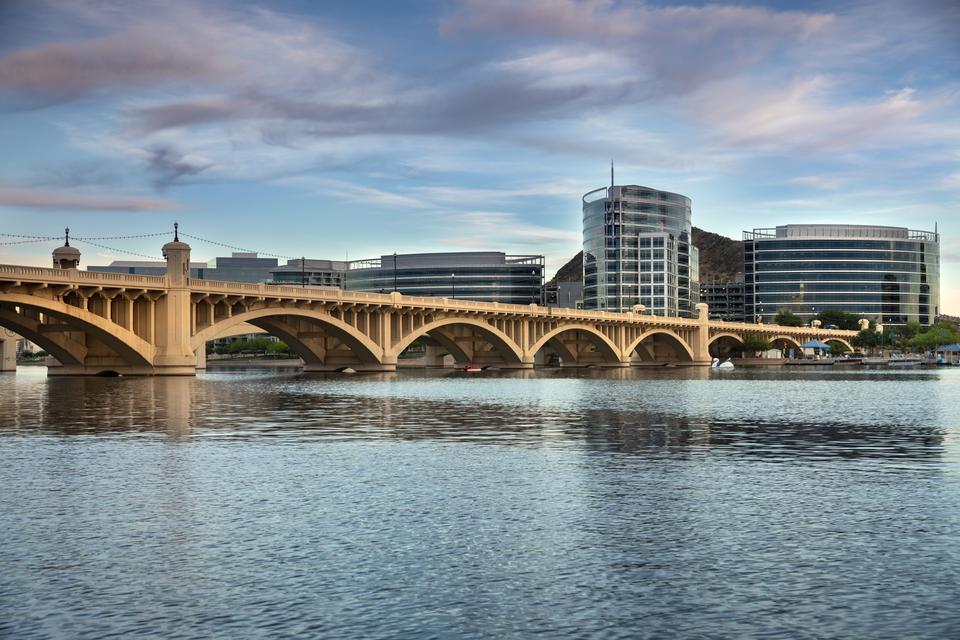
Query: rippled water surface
point(636, 504)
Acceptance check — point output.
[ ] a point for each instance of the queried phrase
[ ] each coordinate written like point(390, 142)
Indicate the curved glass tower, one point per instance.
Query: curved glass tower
point(890, 274)
point(636, 250)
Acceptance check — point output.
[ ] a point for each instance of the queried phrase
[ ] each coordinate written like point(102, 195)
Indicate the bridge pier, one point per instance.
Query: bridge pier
point(701, 337)
point(8, 351)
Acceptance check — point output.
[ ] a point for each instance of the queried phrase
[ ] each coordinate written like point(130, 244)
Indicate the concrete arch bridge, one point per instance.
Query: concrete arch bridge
point(94, 323)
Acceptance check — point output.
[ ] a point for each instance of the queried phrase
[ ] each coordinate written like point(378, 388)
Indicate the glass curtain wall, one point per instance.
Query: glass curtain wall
point(481, 276)
point(889, 274)
point(636, 250)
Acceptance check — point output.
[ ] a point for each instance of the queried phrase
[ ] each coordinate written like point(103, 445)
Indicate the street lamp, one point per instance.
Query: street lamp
point(394, 270)
point(303, 271)
point(453, 284)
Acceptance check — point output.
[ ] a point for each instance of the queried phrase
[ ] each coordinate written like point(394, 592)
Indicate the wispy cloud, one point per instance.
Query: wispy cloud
point(818, 182)
point(71, 201)
point(169, 166)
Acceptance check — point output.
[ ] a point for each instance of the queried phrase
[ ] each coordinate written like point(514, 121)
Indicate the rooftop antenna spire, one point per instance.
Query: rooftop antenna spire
point(611, 172)
point(66, 237)
point(176, 232)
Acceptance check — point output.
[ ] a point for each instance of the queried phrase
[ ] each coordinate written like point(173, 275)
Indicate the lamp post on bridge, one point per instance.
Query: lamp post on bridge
point(394, 270)
point(453, 285)
point(303, 272)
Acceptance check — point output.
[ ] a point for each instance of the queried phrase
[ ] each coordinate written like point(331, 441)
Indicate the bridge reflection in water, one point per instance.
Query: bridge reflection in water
point(93, 323)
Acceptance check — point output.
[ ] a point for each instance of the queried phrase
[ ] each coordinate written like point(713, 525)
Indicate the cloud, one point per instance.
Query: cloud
point(138, 57)
point(181, 45)
point(67, 201)
point(818, 182)
point(805, 116)
point(169, 166)
point(476, 228)
point(677, 48)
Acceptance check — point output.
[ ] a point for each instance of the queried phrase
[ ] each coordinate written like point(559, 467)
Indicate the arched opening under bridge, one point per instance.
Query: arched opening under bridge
point(575, 346)
point(725, 345)
point(660, 346)
point(468, 341)
point(323, 342)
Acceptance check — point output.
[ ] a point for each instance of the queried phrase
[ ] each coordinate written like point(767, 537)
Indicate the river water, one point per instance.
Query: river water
point(675, 503)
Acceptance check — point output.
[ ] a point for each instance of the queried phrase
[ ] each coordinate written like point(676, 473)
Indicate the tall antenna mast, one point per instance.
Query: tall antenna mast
point(611, 172)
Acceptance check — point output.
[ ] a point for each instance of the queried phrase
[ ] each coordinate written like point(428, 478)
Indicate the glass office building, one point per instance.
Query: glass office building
point(889, 274)
point(487, 276)
point(636, 250)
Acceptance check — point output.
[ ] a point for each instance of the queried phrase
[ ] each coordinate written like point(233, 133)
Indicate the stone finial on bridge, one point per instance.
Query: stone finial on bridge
point(703, 312)
point(177, 255)
point(66, 257)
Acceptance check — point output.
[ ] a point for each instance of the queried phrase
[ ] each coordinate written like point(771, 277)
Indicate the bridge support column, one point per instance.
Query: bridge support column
point(526, 362)
point(174, 355)
point(8, 351)
point(701, 337)
point(433, 359)
point(201, 357)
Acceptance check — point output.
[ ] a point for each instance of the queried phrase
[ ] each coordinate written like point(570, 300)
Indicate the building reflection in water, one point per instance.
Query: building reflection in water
point(612, 410)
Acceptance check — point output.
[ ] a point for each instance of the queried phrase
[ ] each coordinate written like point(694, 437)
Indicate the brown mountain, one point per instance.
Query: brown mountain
point(721, 259)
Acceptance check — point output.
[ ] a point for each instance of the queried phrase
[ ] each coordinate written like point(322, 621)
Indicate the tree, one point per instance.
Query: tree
point(787, 318)
point(936, 336)
point(911, 329)
point(867, 338)
point(278, 348)
point(752, 343)
point(837, 348)
point(842, 319)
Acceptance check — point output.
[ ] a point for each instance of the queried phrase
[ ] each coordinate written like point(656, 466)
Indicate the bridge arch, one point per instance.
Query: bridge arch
point(270, 319)
point(723, 344)
point(792, 343)
point(726, 334)
point(63, 350)
point(841, 341)
point(505, 346)
point(606, 347)
point(672, 338)
point(131, 348)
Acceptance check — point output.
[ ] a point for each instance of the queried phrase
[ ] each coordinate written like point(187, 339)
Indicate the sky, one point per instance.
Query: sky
point(350, 130)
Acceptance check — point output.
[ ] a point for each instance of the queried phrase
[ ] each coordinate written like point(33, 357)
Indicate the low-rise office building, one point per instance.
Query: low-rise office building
point(564, 295)
point(311, 273)
point(890, 274)
point(724, 300)
point(487, 276)
point(238, 267)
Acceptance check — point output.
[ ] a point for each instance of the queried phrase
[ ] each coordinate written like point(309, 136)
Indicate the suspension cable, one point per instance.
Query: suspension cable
point(132, 253)
point(230, 246)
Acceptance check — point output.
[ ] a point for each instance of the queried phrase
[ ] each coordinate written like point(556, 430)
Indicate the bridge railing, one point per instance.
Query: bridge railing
point(47, 274)
point(430, 302)
point(749, 327)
